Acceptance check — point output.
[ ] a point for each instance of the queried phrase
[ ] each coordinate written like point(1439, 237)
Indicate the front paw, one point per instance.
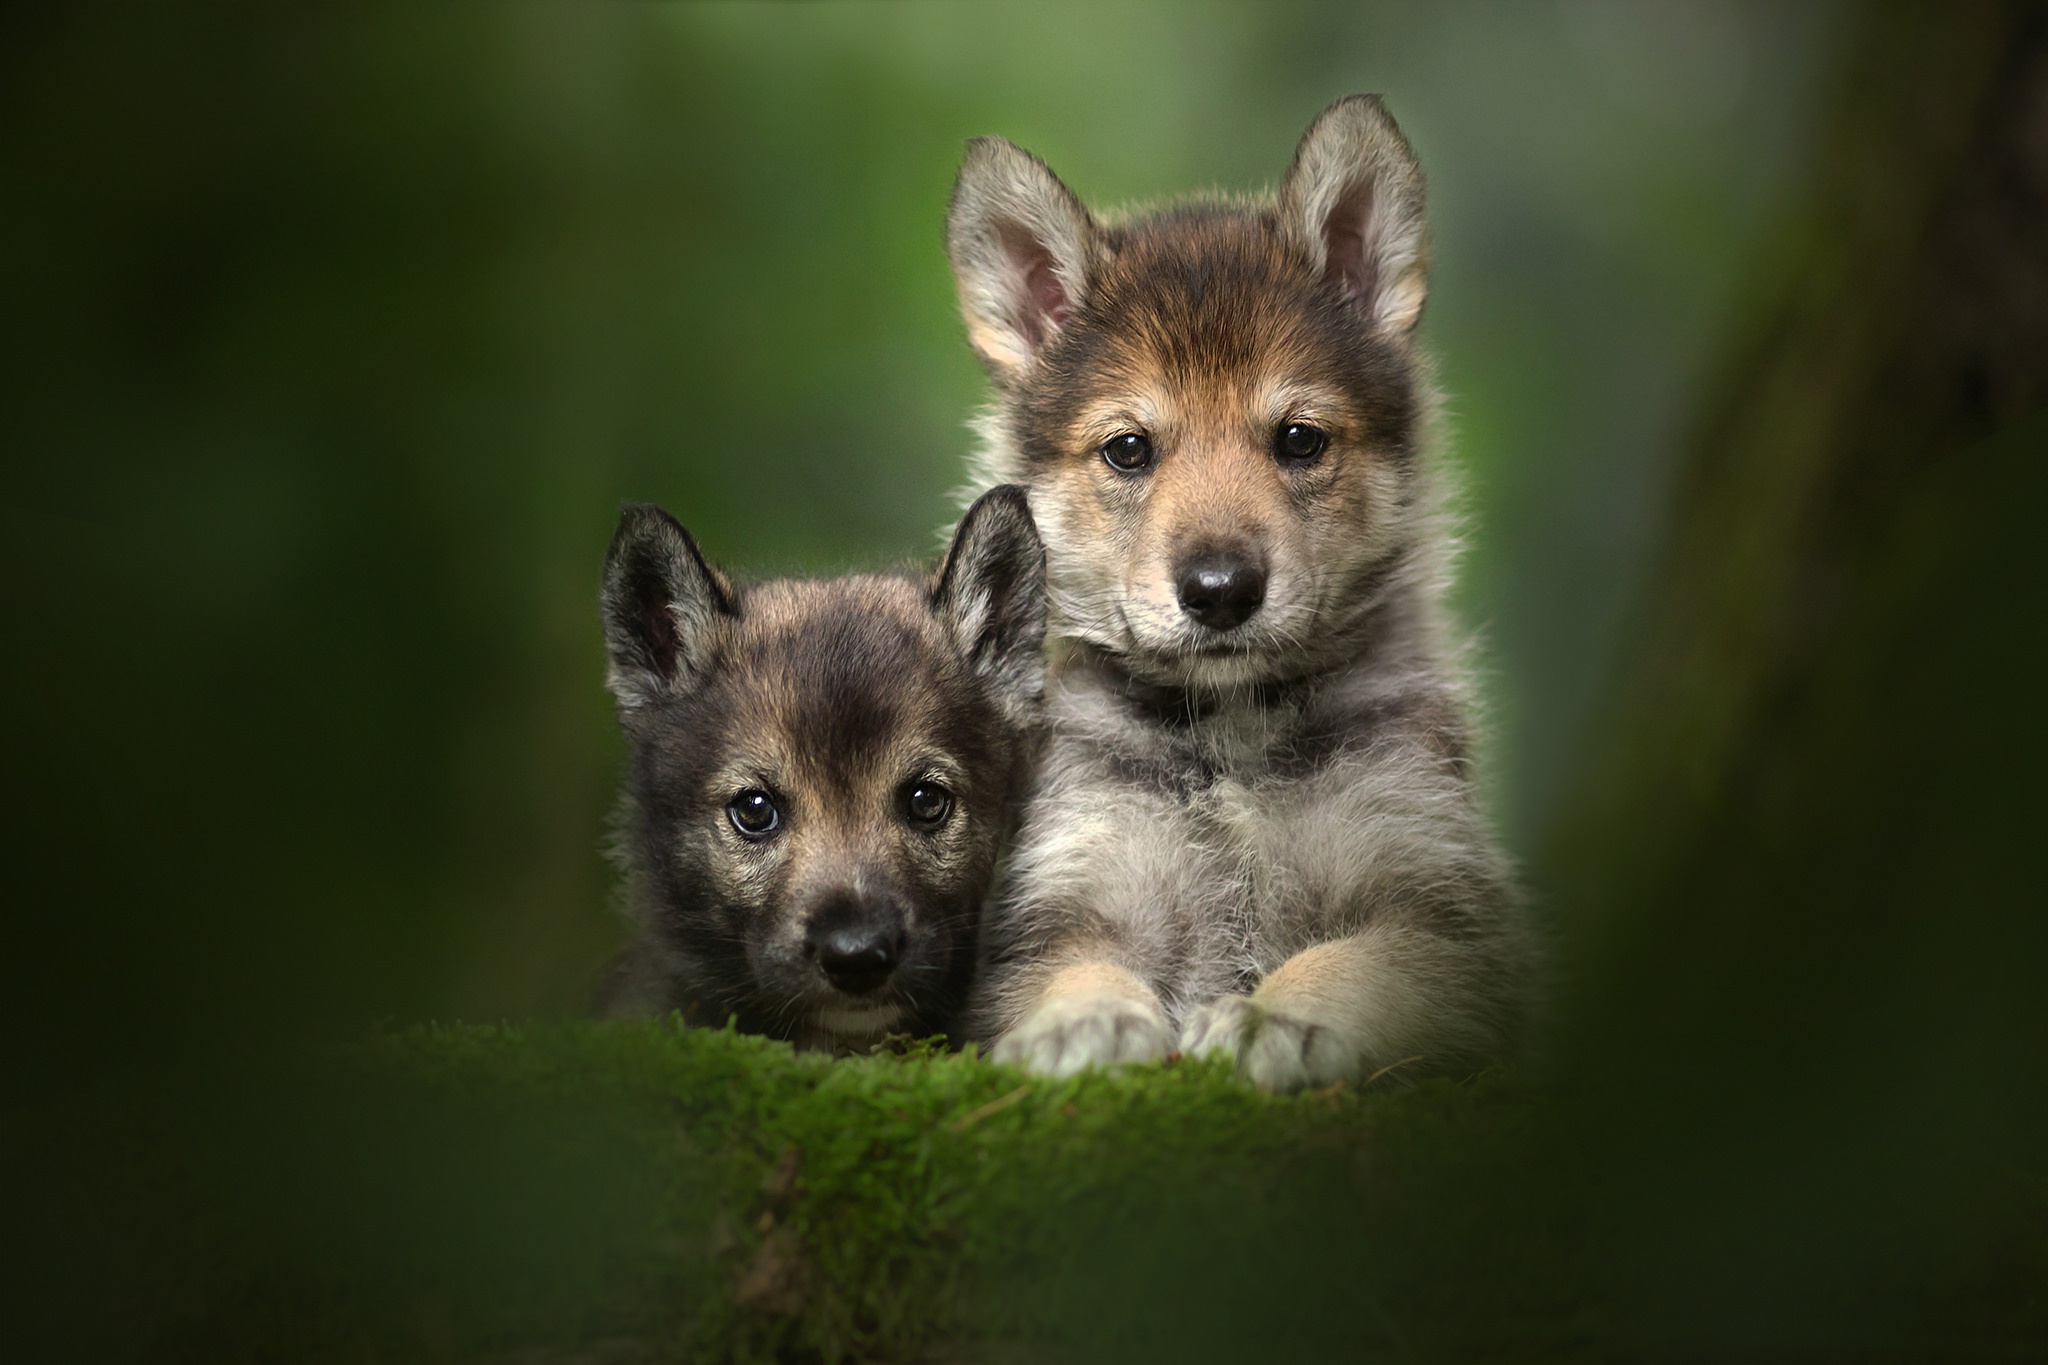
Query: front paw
point(1273, 1051)
point(1065, 1034)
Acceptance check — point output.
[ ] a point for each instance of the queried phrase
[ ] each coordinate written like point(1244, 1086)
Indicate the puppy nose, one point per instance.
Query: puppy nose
point(856, 957)
point(1220, 590)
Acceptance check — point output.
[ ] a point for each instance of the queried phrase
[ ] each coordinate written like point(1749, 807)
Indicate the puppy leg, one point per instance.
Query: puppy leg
point(1090, 1013)
point(1342, 1010)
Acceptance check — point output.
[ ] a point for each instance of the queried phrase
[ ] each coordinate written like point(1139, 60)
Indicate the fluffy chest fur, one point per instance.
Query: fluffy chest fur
point(1211, 839)
point(1254, 831)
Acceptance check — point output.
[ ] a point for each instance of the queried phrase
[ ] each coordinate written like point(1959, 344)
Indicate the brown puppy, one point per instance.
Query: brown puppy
point(1255, 830)
point(822, 777)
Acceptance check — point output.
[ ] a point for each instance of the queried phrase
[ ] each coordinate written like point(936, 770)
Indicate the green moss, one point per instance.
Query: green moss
point(645, 1192)
point(650, 1192)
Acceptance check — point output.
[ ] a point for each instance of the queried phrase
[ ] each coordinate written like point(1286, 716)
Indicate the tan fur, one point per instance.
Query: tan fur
point(1260, 838)
point(850, 841)
point(1090, 1012)
point(823, 775)
point(1113, 554)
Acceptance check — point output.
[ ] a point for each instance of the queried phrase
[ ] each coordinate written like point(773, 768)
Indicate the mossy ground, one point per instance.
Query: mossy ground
point(647, 1191)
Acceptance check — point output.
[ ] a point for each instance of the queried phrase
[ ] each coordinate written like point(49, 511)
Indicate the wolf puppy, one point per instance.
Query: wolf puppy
point(821, 777)
point(1256, 830)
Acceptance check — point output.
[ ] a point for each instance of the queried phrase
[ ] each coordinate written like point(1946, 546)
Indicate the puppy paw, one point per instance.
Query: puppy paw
point(1066, 1033)
point(1218, 1027)
point(1273, 1051)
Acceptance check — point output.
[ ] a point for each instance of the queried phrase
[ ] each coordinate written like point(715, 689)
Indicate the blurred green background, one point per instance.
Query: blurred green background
point(338, 333)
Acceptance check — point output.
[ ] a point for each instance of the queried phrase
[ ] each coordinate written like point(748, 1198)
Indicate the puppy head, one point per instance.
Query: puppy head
point(824, 773)
point(1213, 407)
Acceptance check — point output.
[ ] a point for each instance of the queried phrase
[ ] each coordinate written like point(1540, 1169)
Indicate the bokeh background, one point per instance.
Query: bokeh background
point(338, 334)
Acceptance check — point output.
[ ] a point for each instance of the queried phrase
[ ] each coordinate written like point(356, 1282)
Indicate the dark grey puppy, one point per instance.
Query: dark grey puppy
point(823, 776)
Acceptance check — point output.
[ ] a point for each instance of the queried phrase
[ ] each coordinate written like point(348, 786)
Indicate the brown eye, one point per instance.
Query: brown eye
point(927, 804)
point(754, 813)
point(1298, 442)
point(1128, 453)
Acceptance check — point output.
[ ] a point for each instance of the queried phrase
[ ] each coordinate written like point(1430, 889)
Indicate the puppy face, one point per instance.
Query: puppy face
point(1214, 408)
point(824, 773)
point(1215, 450)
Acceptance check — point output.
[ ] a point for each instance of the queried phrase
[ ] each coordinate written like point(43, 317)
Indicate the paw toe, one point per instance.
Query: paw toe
point(1070, 1038)
point(1217, 1027)
point(1276, 1057)
point(1139, 1038)
point(1273, 1051)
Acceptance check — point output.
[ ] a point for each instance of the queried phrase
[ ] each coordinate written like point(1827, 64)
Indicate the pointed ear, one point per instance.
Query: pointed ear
point(1354, 194)
point(991, 593)
point(661, 605)
point(1022, 249)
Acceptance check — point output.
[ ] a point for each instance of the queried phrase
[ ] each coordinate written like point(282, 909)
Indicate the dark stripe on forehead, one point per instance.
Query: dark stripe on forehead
point(852, 678)
point(1206, 295)
point(843, 670)
point(1204, 292)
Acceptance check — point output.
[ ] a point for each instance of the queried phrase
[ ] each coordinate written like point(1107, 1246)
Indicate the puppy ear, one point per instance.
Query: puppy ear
point(1354, 194)
point(662, 604)
point(991, 593)
point(1022, 248)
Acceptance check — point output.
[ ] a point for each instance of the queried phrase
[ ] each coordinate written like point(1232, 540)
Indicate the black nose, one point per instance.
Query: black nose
point(856, 957)
point(1221, 590)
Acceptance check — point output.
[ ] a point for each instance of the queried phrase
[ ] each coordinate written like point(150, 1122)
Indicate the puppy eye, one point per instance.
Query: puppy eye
point(754, 813)
point(927, 804)
point(1298, 442)
point(1128, 453)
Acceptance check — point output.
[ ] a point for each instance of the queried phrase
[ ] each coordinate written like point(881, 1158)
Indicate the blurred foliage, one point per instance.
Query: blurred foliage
point(339, 335)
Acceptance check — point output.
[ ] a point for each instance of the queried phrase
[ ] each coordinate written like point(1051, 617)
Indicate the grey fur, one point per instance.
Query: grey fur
point(1023, 247)
point(1354, 194)
point(1275, 851)
point(850, 915)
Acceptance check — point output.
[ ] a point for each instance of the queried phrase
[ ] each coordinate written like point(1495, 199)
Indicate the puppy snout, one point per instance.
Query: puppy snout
point(856, 945)
point(1221, 589)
